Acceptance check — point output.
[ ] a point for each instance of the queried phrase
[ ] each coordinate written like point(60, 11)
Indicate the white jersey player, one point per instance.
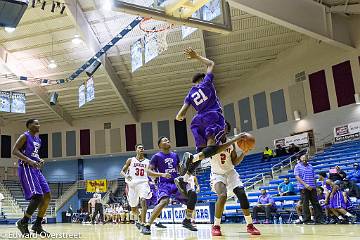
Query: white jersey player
point(137, 181)
point(225, 180)
point(136, 171)
point(223, 170)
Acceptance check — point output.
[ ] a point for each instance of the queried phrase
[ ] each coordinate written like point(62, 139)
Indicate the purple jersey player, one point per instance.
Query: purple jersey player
point(335, 199)
point(153, 200)
point(167, 161)
point(208, 125)
point(33, 182)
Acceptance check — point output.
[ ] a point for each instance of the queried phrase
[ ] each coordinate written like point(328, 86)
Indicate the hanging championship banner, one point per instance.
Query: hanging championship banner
point(151, 46)
point(82, 98)
point(211, 10)
point(90, 90)
point(18, 102)
point(347, 132)
point(92, 185)
point(4, 101)
point(136, 55)
point(298, 139)
point(186, 31)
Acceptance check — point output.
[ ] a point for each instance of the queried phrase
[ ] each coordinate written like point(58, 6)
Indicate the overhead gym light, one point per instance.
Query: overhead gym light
point(9, 29)
point(297, 115)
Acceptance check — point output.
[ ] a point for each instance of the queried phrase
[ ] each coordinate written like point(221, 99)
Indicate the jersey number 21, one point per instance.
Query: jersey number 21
point(199, 97)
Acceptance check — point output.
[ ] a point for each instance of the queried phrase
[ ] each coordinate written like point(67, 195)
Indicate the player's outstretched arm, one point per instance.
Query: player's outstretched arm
point(192, 54)
point(182, 112)
point(235, 159)
point(125, 168)
point(151, 173)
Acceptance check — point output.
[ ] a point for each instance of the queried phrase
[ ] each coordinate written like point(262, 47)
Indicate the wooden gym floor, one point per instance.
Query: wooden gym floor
point(230, 231)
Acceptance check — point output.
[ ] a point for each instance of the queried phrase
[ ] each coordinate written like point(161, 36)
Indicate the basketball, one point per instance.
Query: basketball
point(246, 143)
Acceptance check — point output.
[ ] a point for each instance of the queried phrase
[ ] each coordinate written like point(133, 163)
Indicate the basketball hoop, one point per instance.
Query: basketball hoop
point(157, 30)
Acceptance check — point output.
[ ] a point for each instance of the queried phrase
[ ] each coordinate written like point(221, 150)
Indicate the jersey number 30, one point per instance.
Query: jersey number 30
point(199, 97)
point(139, 172)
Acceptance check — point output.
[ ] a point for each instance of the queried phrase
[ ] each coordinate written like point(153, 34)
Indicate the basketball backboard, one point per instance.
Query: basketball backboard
point(209, 15)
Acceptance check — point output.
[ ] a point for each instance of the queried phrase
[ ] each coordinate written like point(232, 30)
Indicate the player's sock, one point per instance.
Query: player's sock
point(38, 220)
point(301, 218)
point(217, 221)
point(188, 214)
point(248, 219)
point(349, 214)
point(312, 218)
point(25, 219)
point(186, 177)
point(340, 217)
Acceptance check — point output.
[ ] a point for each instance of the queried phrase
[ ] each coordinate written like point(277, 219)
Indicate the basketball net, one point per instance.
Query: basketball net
point(156, 31)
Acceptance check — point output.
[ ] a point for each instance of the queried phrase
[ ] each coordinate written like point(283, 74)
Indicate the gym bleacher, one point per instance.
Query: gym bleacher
point(57, 189)
point(343, 155)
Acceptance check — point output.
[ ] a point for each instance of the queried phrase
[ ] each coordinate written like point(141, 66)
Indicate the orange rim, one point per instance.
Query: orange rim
point(141, 25)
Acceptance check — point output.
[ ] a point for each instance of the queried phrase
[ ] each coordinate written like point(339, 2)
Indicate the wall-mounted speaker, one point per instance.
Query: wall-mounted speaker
point(53, 98)
point(92, 68)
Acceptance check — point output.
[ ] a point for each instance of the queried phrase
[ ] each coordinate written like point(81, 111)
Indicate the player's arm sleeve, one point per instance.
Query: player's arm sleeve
point(209, 78)
point(125, 168)
point(296, 171)
point(178, 161)
point(291, 187)
point(153, 162)
point(187, 99)
point(280, 186)
point(16, 151)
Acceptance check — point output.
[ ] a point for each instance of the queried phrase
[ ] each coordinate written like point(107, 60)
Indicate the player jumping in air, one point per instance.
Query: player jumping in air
point(167, 161)
point(33, 182)
point(207, 125)
point(136, 171)
point(225, 181)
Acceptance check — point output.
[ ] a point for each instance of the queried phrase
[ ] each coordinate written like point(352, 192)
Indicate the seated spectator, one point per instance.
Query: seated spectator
point(267, 154)
point(265, 204)
point(286, 188)
point(1, 199)
point(337, 202)
point(352, 189)
point(125, 213)
point(355, 174)
point(108, 213)
point(293, 149)
point(280, 151)
point(337, 174)
point(112, 198)
point(322, 201)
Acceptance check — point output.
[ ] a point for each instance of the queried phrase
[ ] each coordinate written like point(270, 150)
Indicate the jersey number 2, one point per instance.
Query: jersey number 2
point(222, 158)
point(199, 97)
point(139, 172)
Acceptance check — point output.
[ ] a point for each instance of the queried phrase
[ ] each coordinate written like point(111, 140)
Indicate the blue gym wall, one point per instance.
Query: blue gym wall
point(73, 201)
point(64, 171)
point(94, 168)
